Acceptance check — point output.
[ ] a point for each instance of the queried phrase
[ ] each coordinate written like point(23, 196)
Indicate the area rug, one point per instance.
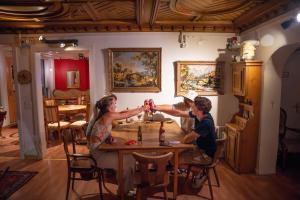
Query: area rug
point(12, 181)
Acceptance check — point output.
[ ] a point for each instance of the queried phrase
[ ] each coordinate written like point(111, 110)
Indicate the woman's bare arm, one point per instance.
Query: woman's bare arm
point(125, 114)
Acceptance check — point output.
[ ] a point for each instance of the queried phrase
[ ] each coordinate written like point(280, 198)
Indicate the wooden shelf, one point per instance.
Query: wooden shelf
point(247, 107)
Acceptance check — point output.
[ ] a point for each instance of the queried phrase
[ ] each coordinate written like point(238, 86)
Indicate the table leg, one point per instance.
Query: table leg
point(175, 174)
point(120, 177)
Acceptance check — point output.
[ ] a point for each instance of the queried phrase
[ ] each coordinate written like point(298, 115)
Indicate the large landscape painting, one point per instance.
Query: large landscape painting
point(135, 69)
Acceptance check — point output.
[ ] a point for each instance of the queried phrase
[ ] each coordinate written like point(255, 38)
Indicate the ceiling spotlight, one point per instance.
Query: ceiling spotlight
point(74, 44)
point(62, 45)
point(298, 17)
point(41, 38)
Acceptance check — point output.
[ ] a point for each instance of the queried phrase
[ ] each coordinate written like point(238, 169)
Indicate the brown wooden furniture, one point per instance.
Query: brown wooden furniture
point(80, 126)
point(81, 166)
point(70, 96)
point(53, 122)
point(156, 177)
point(206, 168)
point(150, 144)
point(2, 117)
point(243, 130)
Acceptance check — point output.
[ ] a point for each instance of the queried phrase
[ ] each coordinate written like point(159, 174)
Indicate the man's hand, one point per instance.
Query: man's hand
point(189, 138)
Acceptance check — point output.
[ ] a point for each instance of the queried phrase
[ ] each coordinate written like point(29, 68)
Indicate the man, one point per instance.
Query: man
point(203, 133)
point(186, 124)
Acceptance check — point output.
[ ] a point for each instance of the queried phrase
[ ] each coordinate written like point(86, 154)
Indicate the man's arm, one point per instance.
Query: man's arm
point(171, 111)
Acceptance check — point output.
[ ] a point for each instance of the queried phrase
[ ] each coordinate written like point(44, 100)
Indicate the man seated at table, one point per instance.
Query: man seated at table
point(203, 133)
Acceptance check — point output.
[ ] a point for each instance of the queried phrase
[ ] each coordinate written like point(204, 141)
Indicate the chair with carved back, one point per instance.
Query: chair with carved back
point(156, 177)
point(206, 167)
point(81, 167)
point(52, 120)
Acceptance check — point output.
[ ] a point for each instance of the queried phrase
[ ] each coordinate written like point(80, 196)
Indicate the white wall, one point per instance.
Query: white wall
point(206, 49)
point(277, 45)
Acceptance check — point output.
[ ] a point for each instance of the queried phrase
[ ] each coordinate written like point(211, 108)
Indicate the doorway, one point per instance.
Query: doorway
point(65, 82)
point(289, 143)
point(9, 137)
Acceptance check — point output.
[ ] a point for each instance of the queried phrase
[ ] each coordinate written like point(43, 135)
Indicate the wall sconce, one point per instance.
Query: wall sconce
point(182, 40)
point(62, 43)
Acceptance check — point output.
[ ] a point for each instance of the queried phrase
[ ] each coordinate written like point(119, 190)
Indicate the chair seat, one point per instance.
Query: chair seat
point(81, 164)
point(63, 124)
point(78, 124)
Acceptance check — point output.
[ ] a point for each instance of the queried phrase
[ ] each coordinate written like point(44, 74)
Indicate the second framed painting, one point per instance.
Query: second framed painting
point(204, 77)
point(135, 69)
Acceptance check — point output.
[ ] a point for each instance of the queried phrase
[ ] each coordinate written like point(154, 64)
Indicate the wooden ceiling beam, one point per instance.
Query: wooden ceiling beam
point(139, 11)
point(259, 11)
point(88, 7)
point(154, 11)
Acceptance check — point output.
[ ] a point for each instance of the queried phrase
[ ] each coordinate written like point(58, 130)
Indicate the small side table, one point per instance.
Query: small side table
point(2, 117)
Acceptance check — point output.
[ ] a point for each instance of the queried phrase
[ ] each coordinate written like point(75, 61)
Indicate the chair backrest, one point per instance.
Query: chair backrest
point(49, 102)
point(220, 147)
point(83, 100)
point(67, 140)
point(156, 177)
point(51, 114)
point(282, 123)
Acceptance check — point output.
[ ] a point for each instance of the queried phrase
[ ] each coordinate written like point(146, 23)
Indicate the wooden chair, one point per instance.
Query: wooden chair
point(52, 121)
point(157, 177)
point(49, 102)
point(79, 126)
point(81, 166)
point(215, 161)
point(286, 145)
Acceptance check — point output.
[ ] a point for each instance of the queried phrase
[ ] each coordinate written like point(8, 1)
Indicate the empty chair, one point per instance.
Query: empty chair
point(79, 126)
point(53, 122)
point(156, 177)
point(81, 166)
point(206, 167)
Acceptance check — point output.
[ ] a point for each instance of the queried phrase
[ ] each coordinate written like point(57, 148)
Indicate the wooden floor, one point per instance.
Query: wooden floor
point(50, 182)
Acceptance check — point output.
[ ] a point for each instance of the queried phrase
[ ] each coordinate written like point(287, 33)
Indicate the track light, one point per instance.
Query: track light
point(182, 40)
point(61, 43)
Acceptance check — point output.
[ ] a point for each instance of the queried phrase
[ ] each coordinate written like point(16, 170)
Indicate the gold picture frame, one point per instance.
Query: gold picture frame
point(204, 77)
point(134, 69)
point(73, 79)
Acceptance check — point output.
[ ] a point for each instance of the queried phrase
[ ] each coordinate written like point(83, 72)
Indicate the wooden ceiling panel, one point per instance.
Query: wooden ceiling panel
point(52, 16)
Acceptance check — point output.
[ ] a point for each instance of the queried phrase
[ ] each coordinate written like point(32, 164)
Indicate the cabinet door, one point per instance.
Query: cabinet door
point(232, 142)
point(238, 80)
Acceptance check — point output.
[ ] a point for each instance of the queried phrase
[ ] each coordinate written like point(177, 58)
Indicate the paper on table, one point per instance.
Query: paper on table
point(174, 142)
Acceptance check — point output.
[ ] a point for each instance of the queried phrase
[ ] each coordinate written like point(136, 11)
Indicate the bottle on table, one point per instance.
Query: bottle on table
point(162, 131)
point(139, 135)
point(127, 120)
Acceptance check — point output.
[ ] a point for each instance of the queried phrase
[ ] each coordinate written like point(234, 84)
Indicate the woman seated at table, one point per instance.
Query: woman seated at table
point(99, 131)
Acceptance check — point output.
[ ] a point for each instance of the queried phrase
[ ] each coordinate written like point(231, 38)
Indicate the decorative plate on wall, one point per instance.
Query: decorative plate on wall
point(24, 76)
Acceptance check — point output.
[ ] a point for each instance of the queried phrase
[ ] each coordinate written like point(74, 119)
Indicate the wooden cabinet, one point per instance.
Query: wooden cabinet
point(243, 130)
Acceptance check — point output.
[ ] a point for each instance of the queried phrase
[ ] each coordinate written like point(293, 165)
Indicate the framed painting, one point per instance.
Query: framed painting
point(135, 69)
point(204, 77)
point(73, 79)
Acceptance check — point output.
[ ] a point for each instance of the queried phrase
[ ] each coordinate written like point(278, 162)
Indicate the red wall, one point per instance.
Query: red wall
point(61, 66)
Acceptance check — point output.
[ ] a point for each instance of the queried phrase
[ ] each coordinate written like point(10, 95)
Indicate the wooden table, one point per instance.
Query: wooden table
point(71, 109)
point(150, 143)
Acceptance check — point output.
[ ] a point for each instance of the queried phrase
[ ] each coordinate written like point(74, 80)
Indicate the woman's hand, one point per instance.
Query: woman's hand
point(189, 138)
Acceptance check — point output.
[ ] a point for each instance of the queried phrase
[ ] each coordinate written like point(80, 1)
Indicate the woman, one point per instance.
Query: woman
point(99, 132)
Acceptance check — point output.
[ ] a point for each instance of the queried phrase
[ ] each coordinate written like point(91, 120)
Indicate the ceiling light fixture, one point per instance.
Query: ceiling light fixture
point(182, 40)
point(61, 43)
